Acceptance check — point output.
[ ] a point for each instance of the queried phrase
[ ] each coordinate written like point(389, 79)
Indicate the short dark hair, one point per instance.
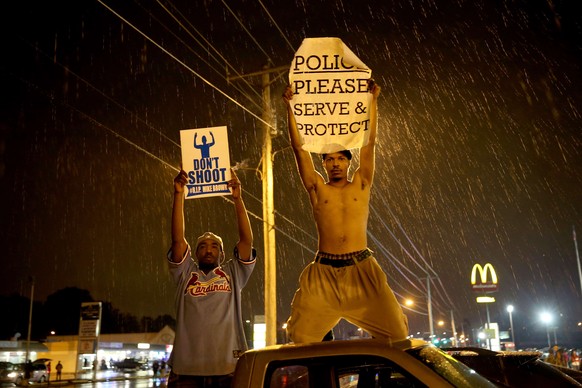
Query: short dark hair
point(346, 153)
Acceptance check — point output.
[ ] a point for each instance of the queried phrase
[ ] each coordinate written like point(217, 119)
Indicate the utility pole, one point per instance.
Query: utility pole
point(269, 219)
point(577, 255)
point(453, 327)
point(268, 204)
point(429, 305)
point(29, 321)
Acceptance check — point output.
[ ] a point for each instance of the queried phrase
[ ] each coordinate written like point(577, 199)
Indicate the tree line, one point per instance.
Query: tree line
point(60, 313)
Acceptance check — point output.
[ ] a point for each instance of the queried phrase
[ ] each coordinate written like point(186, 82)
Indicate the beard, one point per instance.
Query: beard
point(207, 266)
point(335, 175)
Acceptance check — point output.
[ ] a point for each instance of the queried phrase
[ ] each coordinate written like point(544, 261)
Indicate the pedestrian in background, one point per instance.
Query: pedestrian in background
point(575, 359)
point(59, 369)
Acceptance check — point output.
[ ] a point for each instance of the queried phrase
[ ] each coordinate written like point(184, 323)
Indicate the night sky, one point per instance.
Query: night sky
point(478, 158)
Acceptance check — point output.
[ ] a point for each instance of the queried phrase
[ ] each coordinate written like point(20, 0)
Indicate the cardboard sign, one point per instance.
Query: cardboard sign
point(206, 160)
point(331, 99)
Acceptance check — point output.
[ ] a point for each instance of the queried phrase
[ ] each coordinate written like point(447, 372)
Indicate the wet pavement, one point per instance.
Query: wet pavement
point(109, 378)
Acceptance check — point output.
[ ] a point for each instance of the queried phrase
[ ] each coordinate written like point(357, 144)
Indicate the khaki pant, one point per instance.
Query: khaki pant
point(359, 293)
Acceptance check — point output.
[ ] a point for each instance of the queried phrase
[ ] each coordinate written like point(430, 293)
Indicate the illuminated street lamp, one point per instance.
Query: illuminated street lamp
point(547, 319)
point(510, 310)
point(409, 303)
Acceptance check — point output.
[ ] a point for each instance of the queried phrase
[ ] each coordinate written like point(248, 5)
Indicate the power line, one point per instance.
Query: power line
point(396, 263)
point(133, 144)
point(375, 212)
point(409, 255)
point(426, 265)
point(275, 227)
point(276, 25)
point(93, 87)
point(116, 134)
point(173, 57)
point(94, 121)
point(248, 32)
point(183, 64)
point(209, 44)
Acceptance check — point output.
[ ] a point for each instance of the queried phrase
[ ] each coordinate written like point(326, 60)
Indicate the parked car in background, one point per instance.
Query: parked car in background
point(354, 363)
point(516, 369)
point(10, 373)
point(15, 373)
point(130, 364)
point(39, 372)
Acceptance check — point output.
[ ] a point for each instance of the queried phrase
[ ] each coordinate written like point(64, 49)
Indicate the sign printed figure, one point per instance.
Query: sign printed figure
point(206, 160)
point(330, 96)
point(204, 147)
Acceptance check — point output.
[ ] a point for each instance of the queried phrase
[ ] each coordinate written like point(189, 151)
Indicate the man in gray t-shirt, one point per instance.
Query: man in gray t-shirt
point(209, 330)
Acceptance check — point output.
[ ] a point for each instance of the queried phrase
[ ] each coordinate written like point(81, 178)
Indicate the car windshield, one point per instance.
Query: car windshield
point(455, 372)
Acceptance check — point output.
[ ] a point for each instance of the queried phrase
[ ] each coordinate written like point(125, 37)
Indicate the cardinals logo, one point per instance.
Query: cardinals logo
point(219, 283)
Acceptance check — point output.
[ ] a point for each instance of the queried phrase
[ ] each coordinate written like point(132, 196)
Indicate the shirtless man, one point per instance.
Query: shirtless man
point(344, 280)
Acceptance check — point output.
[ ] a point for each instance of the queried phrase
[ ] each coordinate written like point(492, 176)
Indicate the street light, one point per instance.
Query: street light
point(510, 310)
point(547, 319)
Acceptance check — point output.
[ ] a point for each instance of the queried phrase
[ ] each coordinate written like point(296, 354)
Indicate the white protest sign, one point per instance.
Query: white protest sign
point(331, 99)
point(206, 160)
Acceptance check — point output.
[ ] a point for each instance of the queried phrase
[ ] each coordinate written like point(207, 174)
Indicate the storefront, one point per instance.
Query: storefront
point(15, 351)
point(144, 348)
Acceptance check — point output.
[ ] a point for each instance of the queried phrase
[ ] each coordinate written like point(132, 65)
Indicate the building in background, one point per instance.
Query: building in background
point(15, 351)
point(141, 347)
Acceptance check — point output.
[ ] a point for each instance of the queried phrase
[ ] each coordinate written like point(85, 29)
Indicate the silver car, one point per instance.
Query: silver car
point(15, 373)
point(10, 373)
point(354, 363)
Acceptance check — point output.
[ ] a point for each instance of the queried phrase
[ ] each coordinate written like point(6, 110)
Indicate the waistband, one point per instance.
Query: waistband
point(344, 259)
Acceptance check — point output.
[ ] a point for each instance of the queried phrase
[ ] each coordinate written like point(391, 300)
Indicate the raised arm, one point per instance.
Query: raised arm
point(367, 152)
point(245, 233)
point(179, 243)
point(309, 176)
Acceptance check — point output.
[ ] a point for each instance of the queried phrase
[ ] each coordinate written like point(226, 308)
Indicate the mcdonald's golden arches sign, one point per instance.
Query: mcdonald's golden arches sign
point(483, 282)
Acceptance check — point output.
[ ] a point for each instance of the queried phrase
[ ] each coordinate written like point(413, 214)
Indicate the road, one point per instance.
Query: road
point(130, 383)
point(135, 379)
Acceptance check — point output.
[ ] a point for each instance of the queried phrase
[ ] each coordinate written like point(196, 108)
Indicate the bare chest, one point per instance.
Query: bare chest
point(348, 199)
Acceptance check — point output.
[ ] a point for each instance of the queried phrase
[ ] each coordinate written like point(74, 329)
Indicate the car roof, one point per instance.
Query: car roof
point(339, 347)
point(276, 354)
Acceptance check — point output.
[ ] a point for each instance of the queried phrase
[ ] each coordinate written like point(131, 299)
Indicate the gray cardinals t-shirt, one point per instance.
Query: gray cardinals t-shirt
point(209, 328)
